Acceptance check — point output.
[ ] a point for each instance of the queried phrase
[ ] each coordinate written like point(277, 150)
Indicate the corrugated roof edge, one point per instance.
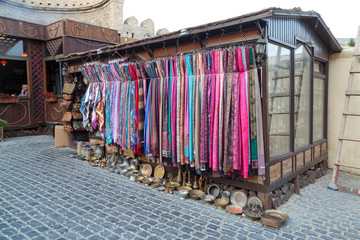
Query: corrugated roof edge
point(311, 14)
point(268, 12)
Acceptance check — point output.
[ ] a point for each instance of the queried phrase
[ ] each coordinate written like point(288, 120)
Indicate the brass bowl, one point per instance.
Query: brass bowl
point(275, 213)
point(183, 193)
point(207, 198)
point(139, 179)
point(221, 203)
point(196, 194)
point(184, 188)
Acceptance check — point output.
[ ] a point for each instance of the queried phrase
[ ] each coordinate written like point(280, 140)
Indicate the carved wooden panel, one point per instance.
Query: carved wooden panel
point(54, 30)
point(21, 29)
point(299, 160)
point(54, 111)
point(37, 78)
point(275, 172)
point(85, 31)
point(16, 114)
point(287, 167)
point(53, 46)
point(308, 156)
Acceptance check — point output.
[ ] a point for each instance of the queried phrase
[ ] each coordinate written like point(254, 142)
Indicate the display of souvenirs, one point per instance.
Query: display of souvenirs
point(72, 94)
point(201, 110)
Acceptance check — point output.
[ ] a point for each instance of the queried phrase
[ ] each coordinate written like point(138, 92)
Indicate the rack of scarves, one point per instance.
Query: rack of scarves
point(201, 110)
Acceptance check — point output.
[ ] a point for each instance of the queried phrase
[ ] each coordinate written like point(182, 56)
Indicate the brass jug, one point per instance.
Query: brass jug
point(179, 178)
point(188, 183)
point(195, 185)
point(201, 180)
point(184, 178)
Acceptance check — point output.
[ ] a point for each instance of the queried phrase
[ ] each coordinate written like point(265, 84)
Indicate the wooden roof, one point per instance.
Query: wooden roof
point(232, 24)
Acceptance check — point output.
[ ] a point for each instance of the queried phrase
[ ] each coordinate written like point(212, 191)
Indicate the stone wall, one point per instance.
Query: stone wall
point(103, 13)
point(56, 4)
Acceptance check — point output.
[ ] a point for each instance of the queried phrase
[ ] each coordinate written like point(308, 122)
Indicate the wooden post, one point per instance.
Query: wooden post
point(297, 185)
point(266, 198)
point(312, 177)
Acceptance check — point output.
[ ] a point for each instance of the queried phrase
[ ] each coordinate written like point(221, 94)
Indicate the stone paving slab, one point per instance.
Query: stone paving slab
point(44, 194)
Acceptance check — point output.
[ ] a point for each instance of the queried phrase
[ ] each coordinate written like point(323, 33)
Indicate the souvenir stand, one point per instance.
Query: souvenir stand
point(27, 60)
point(73, 91)
point(236, 106)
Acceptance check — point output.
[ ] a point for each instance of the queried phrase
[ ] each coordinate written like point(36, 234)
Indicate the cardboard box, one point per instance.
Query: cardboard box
point(62, 138)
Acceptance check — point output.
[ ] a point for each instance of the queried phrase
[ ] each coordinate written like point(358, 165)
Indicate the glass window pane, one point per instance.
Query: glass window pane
point(279, 69)
point(302, 97)
point(319, 67)
point(319, 109)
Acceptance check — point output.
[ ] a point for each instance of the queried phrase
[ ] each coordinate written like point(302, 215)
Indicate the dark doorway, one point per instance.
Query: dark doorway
point(12, 76)
point(53, 78)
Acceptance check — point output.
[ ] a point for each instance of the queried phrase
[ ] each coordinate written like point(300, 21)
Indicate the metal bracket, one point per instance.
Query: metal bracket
point(260, 29)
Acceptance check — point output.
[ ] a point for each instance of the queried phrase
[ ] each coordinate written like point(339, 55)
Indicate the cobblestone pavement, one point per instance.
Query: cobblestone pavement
point(44, 194)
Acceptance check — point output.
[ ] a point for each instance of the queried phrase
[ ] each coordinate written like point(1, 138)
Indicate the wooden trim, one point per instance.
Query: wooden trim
point(239, 184)
point(292, 101)
point(288, 178)
point(264, 93)
point(28, 78)
point(311, 125)
point(45, 79)
point(319, 75)
point(288, 155)
point(319, 142)
point(282, 43)
point(30, 82)
point(326, 100)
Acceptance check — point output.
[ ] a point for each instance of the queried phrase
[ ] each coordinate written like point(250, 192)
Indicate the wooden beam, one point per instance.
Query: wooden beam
point(149, 51)
point(291, 176)
point(201, 42)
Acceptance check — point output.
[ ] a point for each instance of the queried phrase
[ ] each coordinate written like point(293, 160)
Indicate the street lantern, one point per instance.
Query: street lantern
point(64, 71)
point(260, 48)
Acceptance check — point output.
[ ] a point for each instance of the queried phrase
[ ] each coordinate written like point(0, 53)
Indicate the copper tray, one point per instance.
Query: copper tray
point(254, 200)
point(146, 170)
point(238, 198)
point(159, 172)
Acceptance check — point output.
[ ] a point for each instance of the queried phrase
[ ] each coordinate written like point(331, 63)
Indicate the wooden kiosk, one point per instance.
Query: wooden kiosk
point(294, 75)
